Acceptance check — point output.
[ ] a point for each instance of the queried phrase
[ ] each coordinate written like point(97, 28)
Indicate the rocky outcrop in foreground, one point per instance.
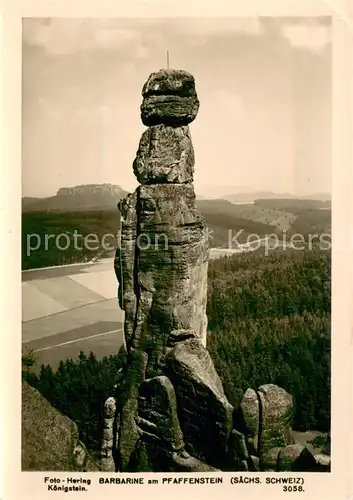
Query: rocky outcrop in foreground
point(170, 412)
point(50, 440)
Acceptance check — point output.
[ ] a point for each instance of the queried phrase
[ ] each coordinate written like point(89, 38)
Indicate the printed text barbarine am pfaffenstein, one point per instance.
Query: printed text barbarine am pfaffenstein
point(163, 480)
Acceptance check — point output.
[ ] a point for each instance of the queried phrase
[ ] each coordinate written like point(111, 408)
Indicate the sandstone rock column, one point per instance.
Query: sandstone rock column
point(107, 458)
point(173, 414)
point(162, 269)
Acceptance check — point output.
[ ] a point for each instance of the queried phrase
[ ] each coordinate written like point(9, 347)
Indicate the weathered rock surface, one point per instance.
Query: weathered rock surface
point(206, 416)
point(266, 415)
point(50, 440)
point(277, 412)
point(269, 459)
point(170, 82)
point(169, 274)
point(165, 155)
point(179, 336)
point(176, 273)
point(237, 452)
point(169, 97)
point(169, 109)
point(124, 263)
point(250, 414)
point(157, 414)
point(107, 458)
point(170, 209)
point(128, 431)
point(161, 444)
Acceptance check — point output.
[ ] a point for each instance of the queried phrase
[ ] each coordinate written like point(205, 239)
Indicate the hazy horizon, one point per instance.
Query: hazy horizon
point(264, 86)
point(207, 191)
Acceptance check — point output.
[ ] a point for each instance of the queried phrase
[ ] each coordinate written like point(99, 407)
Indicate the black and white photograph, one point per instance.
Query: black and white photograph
point(189, 328)
point(177, 252)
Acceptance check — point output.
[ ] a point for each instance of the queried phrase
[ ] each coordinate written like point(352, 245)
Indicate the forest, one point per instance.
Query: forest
point(49, 253)
point(269, 322)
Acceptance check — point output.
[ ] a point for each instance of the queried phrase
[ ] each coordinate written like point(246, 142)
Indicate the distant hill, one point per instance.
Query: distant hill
point(224, 218)
point(293, 205)
point(28, 200)
point(251, 212)
point(105, 197)
point(84, 197)
point(265, 216)
point(269, 195)
point(254, 195)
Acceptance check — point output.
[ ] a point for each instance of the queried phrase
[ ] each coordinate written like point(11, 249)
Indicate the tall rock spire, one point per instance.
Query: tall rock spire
point(161, 267)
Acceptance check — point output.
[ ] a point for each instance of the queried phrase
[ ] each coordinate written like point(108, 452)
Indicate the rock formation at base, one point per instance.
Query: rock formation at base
point(267, 417)
point(50, 440)
point(171, 413)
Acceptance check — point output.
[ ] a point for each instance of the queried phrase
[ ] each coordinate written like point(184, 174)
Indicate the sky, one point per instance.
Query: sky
point(264, 86)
